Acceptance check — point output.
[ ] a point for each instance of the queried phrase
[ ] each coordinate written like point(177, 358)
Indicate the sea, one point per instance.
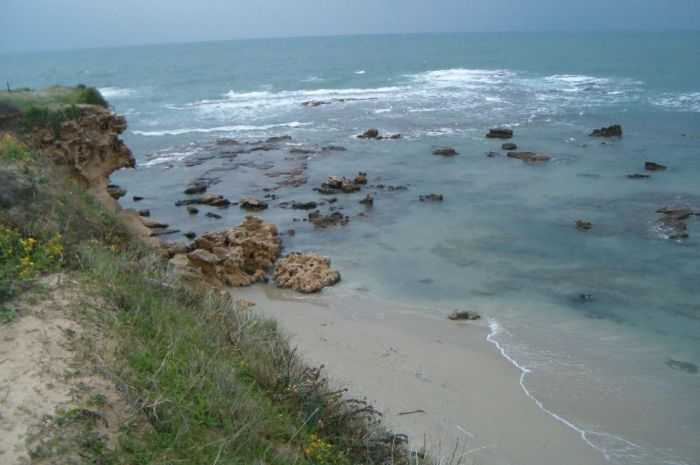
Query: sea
point(603, 323)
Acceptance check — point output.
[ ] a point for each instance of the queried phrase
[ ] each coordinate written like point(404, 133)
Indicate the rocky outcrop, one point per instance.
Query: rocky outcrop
point(237, 257)
point(611, 131)
point(87, 144)
point(499, 133)
point(446, 152)
point(529, 157)
point(305, 273)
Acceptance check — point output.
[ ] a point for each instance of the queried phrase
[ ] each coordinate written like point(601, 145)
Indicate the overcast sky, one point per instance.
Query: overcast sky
point(56, 24)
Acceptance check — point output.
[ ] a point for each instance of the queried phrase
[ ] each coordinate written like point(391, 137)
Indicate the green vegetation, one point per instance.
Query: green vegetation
point(51, 97)
point(208, 384)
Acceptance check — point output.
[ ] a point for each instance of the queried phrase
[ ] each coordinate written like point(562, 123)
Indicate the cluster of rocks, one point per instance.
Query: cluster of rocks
point(431, 198)
point(238, 256)
point(324, 221)
point(374, 135)
point(305, 273)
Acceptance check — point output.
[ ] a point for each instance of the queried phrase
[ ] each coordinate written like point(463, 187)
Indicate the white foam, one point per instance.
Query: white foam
point(496, 329)
point(236, 128)
point(362, 71)
point(681, 102)
point(115, 92)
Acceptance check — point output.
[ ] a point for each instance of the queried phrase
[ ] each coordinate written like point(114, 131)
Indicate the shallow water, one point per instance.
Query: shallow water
point(503, 241)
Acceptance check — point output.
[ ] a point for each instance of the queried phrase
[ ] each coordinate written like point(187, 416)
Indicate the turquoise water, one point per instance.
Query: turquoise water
point(503, 241)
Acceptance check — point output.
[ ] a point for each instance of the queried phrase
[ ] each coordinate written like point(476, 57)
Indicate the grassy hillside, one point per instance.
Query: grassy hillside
point(206, 382)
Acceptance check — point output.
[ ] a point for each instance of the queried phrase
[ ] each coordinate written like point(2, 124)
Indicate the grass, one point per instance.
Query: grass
point(211, 385)
point(52, 97)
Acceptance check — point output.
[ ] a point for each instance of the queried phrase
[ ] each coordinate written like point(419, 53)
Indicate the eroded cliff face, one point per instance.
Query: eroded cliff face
point(88, 145)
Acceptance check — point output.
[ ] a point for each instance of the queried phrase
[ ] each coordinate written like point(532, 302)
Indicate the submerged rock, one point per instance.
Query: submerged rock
point(304, 205)
point(137, 198)
point(458, 315)
point(611, 131)
point(499, 133)
point(212, 215)
point(638, 176)
point(529, 157)
point(673, 223)
point(509, 146)
point(492, 154)
point(682, 366)
point(333, 148)
point(431, 198)
point(305, 273)
point(651, 166)
point(196, 188)
point(446, 152)
point(583, 225)
point(192, 210)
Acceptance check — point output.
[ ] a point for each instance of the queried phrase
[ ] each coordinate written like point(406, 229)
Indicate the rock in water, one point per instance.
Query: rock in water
point(509, 146)
point(251, 203)
point(368, 201)
point(673, 224)
point(305, 273)
point(446, 152)
point(529, 157)
point(463, 315)
point(369, 134)
point(611, 131)
point(431, 198)
point(499, 133)
point(638, 176)
point(583, 225)
point(324, 221)
point(651, 166)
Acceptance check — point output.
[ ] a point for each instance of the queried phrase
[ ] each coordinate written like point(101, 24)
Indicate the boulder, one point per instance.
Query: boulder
point(500, 133)
point(305, 273)
point(251, 203)
point(611, 131)
point(463, 315)
point(215, 200)
point(190, 235)
point(446, 152)
point(361, 178)
point(116, 192)
point(137, 198)
point(192, 210)
point(651, 166)
point(509, 146)
point(145, 212)
point(529, 157)
point(369, 134)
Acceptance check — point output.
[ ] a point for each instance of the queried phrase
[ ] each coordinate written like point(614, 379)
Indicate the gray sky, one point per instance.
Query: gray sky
point(55, 24)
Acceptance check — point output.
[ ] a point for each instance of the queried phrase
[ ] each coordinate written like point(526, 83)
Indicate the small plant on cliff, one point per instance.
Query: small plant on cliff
point(90, 95)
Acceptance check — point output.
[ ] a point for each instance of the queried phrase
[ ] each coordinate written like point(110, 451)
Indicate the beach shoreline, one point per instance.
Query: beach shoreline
point(443, 383)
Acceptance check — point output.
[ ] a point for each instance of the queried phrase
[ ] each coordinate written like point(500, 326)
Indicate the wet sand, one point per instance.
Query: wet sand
point(462, 391)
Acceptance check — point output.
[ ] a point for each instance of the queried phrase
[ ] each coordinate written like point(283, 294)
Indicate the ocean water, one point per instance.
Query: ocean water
point(619, 366)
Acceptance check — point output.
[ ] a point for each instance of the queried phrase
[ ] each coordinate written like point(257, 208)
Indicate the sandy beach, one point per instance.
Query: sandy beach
point(439, 381)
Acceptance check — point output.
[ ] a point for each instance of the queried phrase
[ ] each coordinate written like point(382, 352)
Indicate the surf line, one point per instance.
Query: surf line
point(495, 330)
